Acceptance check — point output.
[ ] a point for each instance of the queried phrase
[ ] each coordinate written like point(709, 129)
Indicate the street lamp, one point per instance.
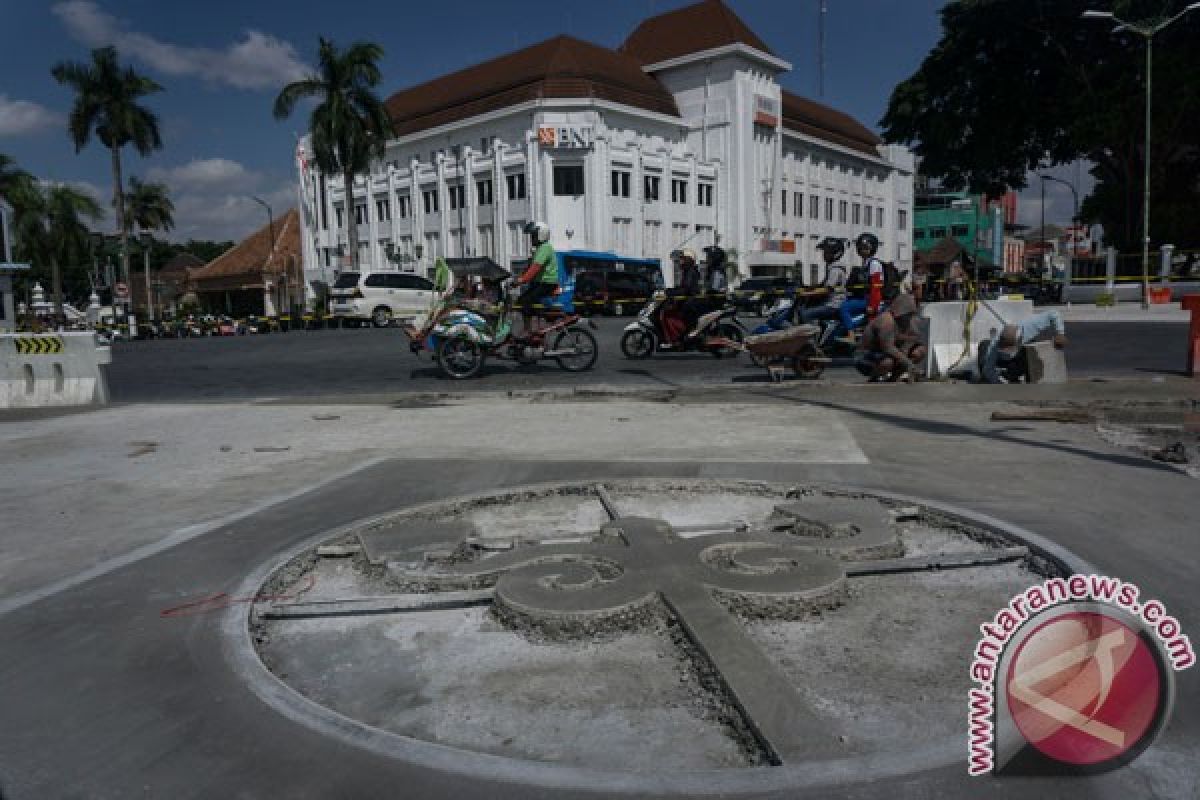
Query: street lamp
point(147, 239)
point(271, 229)
point(1069, 270)
point(1146, 30)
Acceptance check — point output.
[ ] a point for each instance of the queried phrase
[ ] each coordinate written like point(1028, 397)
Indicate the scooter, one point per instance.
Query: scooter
point(660, 328)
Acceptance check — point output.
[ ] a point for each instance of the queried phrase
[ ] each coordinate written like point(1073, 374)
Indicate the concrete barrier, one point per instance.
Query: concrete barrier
point(946, 322)
point(1047, 364)
point(59, 369)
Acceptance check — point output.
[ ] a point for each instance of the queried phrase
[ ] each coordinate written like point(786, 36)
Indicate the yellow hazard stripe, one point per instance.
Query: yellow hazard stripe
point(38, 345)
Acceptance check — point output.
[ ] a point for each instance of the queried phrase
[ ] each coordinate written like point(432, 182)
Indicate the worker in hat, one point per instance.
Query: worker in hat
point(1001, 359)
point(892, 348)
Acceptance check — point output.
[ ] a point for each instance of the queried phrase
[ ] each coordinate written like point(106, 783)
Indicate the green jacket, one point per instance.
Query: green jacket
point(544, 255)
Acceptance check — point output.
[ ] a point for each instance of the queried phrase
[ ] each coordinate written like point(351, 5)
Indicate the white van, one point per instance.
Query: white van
point(380, 297)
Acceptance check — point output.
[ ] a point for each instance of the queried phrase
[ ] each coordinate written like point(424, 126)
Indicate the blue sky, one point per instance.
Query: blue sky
point(222, 63)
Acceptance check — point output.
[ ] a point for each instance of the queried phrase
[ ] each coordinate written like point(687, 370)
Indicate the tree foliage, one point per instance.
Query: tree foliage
point(52, 233)
point(149, 206)
point(108, 104)
point(1018, 85)
point(350, 125)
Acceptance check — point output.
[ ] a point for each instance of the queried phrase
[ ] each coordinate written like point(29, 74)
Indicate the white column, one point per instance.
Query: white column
point(443, 205)
point(693, 197)
point(500, 198)
point(637, 179)
point(536, 196)
point(417, 207)
point(471, 217)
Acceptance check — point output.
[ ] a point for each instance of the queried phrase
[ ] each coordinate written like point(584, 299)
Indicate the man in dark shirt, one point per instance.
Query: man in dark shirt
point(891, 346)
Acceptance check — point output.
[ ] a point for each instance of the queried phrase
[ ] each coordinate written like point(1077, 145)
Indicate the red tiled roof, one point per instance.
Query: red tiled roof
point(691, 29)
point(255, 256)
point(814, 119)
point(563, 67)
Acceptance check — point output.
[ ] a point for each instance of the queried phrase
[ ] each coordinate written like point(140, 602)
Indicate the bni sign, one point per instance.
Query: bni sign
point(565, 137)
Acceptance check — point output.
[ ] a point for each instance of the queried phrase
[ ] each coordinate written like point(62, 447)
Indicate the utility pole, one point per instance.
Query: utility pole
point(823, 9)
point(1146, 29)
point(1069, 271)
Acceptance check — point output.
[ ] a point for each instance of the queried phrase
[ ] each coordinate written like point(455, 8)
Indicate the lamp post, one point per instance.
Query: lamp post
point(97, 242)
point(1146, 29)
point(147, 239)
point(1069, 270)
point(271, 229)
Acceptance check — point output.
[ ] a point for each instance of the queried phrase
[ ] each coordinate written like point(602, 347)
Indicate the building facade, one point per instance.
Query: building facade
point(680, 138)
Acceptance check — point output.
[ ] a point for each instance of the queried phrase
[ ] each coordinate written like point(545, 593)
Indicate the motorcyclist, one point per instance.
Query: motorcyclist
point(716, 281)
point(864, 293)
point(832, 250)
point(541, 278)
point(689, 291)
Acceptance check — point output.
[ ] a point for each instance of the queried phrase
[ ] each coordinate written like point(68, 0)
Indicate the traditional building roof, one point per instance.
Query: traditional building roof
point(181, 263)
point(560, 67)
point(814, 119)
point(691, 29)
point(250, 261)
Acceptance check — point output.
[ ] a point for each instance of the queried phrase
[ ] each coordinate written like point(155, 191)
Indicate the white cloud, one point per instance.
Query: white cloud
point(256, 61)
point(229, 216)
point(1060, 205)
point(21, 117)
point(214, 198)
point(206, 174)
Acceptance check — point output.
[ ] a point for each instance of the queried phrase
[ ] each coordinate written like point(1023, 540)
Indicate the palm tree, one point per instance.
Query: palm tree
point(148, 207)
point(12, 179)
point(51, 231)
point(106, 103)
point(350, 125)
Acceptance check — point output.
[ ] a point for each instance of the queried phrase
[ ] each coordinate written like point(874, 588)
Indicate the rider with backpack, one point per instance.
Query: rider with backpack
point(865, 286)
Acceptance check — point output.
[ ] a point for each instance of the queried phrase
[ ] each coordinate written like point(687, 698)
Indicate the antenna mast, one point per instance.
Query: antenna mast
point(823, 8)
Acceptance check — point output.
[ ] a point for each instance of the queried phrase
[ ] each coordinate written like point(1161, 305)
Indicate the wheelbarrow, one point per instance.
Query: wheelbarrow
point(795, 348)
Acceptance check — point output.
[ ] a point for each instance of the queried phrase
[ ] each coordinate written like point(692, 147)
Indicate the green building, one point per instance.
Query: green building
point(964, 217)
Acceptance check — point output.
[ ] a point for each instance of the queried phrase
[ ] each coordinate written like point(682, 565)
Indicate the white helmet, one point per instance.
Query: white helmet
point(540, 232)
point(689, 254)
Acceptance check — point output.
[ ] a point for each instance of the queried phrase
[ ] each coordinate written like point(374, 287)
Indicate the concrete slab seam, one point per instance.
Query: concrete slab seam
point(178, 537)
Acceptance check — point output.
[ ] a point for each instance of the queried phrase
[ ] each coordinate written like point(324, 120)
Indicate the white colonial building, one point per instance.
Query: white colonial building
point(680, 136)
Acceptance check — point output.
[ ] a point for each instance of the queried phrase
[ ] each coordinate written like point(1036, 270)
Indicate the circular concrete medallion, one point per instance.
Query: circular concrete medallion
point(657, 635)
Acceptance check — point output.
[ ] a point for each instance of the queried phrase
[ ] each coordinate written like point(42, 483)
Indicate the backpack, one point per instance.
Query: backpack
point(856, 282)
point(893, 281)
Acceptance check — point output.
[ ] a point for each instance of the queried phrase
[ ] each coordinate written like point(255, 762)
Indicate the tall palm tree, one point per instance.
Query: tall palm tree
point(106, 103)
point(350, 125)
point(148, 207)
point(51, 230)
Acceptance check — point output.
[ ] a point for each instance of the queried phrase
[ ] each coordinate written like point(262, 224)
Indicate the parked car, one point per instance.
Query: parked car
point(380, 297)
point(611, 292)
point(227, 327)
point(757, 295)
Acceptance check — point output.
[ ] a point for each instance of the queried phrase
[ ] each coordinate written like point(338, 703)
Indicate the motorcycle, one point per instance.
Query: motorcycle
point(660, 328)
point(462, 337)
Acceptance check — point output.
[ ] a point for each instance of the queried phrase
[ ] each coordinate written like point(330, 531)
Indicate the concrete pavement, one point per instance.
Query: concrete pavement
point(114, 515)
